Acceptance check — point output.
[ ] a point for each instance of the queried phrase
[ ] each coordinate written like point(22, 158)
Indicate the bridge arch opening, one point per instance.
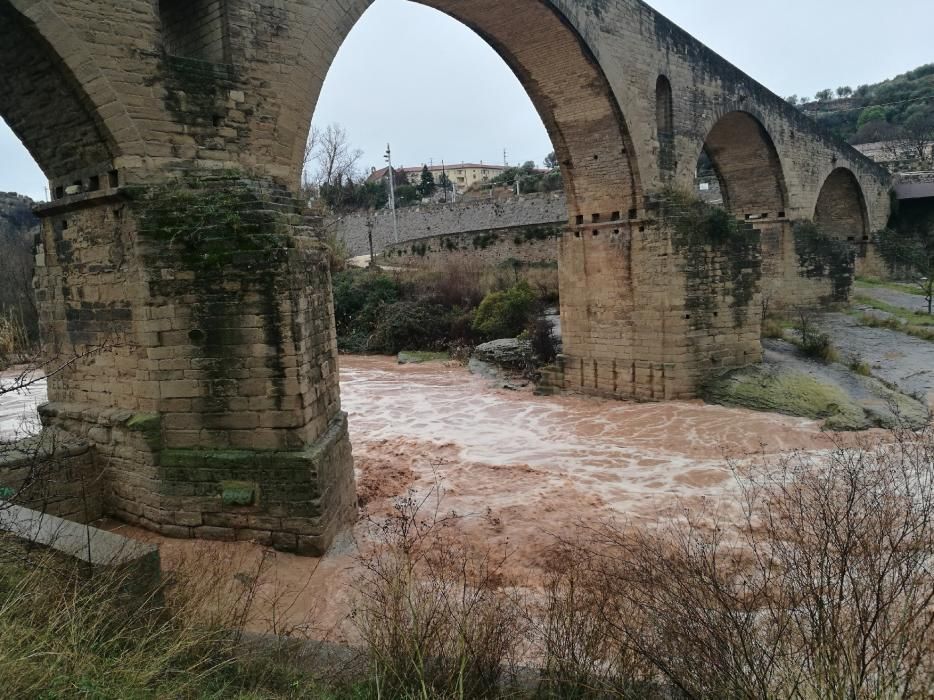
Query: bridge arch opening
point(841, 207)
point(739, 169)
point(568, 90)
point(43, 105)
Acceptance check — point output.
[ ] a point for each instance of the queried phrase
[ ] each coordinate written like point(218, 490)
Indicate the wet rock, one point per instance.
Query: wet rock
point(508, 352)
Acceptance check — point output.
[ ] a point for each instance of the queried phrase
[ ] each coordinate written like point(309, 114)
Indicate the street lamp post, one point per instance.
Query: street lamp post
point(392, 193)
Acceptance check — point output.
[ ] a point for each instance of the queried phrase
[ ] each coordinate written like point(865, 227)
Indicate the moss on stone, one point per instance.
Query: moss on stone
point(821, 256)
point(795, 393)
point(791, 393)
point(207, 222)
point(709, 239)
point(150, 425)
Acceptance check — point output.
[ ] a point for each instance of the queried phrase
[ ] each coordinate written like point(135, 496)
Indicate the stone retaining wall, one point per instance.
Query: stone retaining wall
point(532, 246)
point(429, 221)
point(55, 473)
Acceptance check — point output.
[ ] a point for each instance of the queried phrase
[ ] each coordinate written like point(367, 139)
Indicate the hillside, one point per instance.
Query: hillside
point(899, 108)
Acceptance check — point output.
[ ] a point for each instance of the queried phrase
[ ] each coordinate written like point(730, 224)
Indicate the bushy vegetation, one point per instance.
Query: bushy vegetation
point(441, 308)
point(812, 342)
point(531, 179)
point(65, 635)
point(412, 325)
point(506, 314)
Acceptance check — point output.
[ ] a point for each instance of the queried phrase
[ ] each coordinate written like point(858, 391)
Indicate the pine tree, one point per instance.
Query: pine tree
point(427, 185)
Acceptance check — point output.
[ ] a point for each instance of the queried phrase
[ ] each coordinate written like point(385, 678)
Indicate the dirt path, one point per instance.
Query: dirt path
point(893, 297)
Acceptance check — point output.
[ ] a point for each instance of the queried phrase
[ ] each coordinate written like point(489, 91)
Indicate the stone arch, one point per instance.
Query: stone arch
point(45, 106)
point(664, 121)
point(565, 83)
point(746, 163)
point(841, 209)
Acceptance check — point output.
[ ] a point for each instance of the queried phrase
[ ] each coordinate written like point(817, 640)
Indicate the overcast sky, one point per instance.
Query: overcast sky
point(418, 79)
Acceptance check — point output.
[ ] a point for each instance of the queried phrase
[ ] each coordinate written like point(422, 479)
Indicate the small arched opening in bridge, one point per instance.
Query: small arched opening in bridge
point(195, 29)
point(739, 169)
point(564, 83)
point(841, 207)
point(665, 123)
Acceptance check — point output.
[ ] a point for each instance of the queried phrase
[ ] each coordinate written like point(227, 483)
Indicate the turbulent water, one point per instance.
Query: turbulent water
point(522, 469)
point(18, 408)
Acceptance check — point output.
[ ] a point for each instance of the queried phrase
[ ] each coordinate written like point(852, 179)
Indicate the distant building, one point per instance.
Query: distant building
point(463, 175)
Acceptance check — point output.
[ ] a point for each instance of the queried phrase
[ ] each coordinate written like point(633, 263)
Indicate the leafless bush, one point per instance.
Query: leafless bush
point(14, 337)
point(825, 589)
point(434, 612)
point(456, 283)
point(574, 630)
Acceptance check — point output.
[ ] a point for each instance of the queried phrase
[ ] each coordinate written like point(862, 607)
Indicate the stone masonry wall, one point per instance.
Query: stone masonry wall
point(429, 221)
point(670, 307)
point(213, 402)
point(55, 473)
point(528, 245)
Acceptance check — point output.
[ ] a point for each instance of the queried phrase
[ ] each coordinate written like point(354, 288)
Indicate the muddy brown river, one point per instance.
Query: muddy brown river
point(522, 469)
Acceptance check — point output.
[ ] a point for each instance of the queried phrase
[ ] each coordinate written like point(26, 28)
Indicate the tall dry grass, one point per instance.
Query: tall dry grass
point(65, 634)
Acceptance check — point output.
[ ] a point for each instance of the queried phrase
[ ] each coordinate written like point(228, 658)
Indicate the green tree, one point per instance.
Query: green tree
point(406, 195)
point(427, 185)
point(824, 95)
point(845, 91)
point(551, 161)
point(871, 114)
point(400, 178)
point(792, 100)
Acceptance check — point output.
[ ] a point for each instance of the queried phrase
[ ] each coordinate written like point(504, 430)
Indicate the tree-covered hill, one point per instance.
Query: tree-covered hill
point(901, 108)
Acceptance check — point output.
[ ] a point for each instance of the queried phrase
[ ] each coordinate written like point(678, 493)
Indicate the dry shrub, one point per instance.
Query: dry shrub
point(14, 338)
point(435, 613)
point(544, 280)
point(574, 629)
point(825, 591)
point(457, 282)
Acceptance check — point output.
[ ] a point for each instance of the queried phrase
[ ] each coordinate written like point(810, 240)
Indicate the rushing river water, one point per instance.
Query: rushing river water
point(18, 408)
point(529, 468)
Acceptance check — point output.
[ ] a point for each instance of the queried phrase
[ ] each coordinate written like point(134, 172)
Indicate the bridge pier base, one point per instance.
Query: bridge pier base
point(653, 307)
point(207, 381)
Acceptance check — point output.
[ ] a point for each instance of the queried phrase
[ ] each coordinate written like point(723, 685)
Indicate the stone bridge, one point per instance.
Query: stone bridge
point(176, 264)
